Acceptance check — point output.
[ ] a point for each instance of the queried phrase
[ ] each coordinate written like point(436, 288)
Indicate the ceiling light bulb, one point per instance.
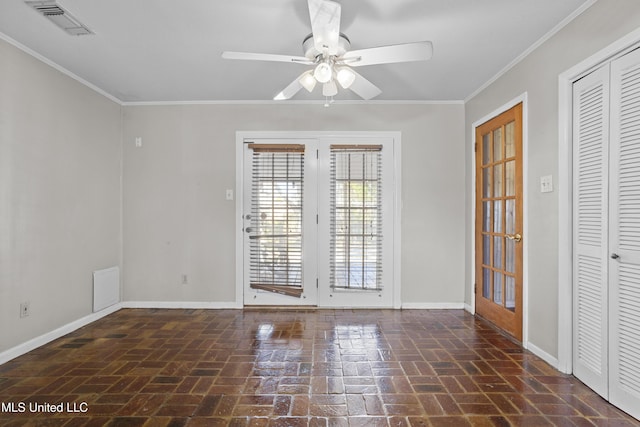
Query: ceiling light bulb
point(323, 72)
point(308, 81)
point(345, 77)
point(330, 89)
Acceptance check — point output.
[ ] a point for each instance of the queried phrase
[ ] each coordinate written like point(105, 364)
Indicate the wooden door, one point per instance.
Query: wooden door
point(498, 236)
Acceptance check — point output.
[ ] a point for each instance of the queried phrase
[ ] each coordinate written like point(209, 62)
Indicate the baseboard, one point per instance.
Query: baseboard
point(543, 355)
point(469, 308)
point(193, 305)
point(433, 306)
point(46, 338)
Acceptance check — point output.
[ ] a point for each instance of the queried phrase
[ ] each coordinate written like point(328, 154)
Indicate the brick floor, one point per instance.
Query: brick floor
point(265, 367)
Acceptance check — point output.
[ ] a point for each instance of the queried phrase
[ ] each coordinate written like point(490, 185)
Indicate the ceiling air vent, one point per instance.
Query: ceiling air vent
point(63, 19)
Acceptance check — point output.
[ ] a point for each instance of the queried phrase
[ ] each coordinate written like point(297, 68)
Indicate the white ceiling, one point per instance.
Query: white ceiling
point(169, 50)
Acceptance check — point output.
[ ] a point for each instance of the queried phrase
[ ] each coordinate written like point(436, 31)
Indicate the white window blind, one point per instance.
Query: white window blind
point(356, 217)
point(276, 218)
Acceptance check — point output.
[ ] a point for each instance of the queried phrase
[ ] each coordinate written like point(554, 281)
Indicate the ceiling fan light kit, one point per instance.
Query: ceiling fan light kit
point(327, 50)
point(323, 72)
point(345, 77)
point(330, 89)
point(308, 81)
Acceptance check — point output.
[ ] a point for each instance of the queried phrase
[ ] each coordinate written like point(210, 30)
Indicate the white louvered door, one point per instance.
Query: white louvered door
point(606, 194)
point(590, 166)
point(624, 277)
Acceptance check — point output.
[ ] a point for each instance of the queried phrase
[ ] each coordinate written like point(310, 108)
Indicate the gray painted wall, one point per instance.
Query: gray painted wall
point(60, 156)
point(177, 221)
point(600, 25)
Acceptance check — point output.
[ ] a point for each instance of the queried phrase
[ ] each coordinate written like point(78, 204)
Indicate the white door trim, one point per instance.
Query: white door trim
point(241, 136)
point(565, 193)
point(523, 98)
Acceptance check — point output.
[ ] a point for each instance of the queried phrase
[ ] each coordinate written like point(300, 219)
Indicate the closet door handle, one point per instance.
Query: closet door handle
point(615, 256)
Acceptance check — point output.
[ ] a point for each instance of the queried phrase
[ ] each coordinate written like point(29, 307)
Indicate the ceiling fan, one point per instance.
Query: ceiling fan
point(327, 50)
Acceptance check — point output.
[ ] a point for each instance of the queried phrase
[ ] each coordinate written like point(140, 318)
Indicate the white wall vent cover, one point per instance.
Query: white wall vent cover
point(106, 288)
point(63, 19)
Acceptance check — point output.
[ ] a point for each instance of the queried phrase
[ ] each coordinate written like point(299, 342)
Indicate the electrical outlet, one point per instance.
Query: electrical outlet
point(25, 309)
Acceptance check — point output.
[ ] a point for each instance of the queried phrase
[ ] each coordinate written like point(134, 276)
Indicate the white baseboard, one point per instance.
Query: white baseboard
point(41, 340)
point(469, 308)
point(543, 355)
point(46, 338)
point(193, 305)
point(433, 306)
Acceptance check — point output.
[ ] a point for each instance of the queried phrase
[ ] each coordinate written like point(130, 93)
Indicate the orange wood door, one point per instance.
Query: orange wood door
point(498, 236)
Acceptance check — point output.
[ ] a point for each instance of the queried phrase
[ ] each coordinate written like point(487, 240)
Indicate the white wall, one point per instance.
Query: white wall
point(600, 25)
point(59, 195)
point(177, 221)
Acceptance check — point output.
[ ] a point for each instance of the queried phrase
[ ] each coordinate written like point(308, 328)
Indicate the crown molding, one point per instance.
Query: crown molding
point(566, 21)
point(58, 67)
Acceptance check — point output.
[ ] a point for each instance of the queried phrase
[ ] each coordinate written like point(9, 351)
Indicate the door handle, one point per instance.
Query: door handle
point(515, 237)
point(615, 256)
point(248, 229)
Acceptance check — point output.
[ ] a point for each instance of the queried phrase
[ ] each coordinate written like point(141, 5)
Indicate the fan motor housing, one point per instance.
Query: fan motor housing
point(310, 51)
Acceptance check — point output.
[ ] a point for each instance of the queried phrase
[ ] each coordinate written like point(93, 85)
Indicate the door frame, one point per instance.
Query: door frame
point(565, 190)
point(525, 209)
point(241, 136)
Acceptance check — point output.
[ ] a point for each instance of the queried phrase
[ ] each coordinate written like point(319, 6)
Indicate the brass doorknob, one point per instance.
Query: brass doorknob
point(515, 237)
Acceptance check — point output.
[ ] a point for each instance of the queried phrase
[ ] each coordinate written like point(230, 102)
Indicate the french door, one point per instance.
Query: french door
point(355, 222)
point(280, 222)
point(318, 222)
point(499, 221)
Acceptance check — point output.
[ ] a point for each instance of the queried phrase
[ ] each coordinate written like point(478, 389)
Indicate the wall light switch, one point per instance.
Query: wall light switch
point(229, 195)
point(546, 184)
point(138, 142)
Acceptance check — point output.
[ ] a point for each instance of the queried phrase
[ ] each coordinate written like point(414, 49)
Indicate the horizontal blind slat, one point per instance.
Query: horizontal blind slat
point(277, 148)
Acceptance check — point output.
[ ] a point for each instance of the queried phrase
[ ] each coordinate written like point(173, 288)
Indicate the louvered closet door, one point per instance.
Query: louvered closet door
point(590, 206)
point(624, 385)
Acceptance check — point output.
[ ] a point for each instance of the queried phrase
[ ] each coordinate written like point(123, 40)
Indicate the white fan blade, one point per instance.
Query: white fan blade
point(290, 90)
point(407, 52)
point(266, 57)
point(364, 88)
point(325, 25)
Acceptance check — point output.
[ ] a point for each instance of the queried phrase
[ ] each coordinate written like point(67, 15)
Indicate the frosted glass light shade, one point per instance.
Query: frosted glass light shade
point(329, 89)
point(308, 81)
point(345, 77)
point(323, 72)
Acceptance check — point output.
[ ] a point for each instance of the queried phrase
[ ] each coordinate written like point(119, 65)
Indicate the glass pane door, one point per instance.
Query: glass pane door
point(499, 220)
point(280, 218)
point(356, 223)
